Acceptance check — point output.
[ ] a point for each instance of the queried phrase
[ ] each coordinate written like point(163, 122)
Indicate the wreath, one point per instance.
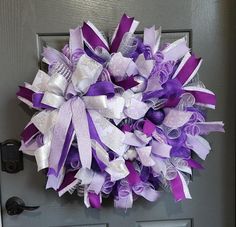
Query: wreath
point(119, 120)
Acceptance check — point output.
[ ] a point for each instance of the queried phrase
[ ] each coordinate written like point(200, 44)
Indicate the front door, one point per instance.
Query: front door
point(27, 25)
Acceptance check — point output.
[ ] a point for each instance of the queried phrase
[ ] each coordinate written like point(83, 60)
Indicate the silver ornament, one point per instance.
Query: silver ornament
point(141, 86)
point(130, 154)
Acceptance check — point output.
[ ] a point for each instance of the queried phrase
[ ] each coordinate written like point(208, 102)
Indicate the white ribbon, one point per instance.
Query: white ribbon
point(57, 84)
point(41, 80)
point(136, 109)
point(144, 155)
point(109, 134)
point(96, 102)
point(144, 66)
point(176, 50)
point(45, 120)
point(52, 99)
point(116, 168)
point(42, 155)
point(114, 108)
point(86, 73)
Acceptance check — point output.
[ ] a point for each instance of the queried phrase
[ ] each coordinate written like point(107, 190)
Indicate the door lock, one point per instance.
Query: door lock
point(11, 156)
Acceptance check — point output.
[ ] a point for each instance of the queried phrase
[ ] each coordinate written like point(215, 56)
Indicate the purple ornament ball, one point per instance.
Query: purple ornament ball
point(155, 116)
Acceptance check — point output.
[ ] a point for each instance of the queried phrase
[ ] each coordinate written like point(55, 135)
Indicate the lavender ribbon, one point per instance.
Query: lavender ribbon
point(80, 122)
point(147, 191)
point(62, 138)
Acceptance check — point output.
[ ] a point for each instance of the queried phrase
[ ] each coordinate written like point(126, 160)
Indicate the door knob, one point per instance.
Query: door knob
point(15, 206)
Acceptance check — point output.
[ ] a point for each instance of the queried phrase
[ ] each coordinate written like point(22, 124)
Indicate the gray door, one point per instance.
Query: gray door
point(27, 25)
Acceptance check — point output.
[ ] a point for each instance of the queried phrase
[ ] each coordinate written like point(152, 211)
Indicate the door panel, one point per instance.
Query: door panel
point(174, 223)
point(27, 25)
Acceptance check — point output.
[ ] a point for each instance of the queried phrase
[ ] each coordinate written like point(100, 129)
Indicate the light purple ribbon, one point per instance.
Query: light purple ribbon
point(53, 56)
point(76, 40)
point(147, 191)
point(124, 199)
point(62, 137)
point(80, 123)
point(207, 127)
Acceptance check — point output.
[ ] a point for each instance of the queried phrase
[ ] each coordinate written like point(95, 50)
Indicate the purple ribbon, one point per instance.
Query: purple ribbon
point(194, 164)
point(141, 49)
point(127, 83)
point(95, 57)
point(29, 132)
point(204, 97)
point(126, 128)
point(68, 179)
point(25, 93)
point(33, 97)
point(66, 147)
point(188, 69)
point(177, 188)
point(133, 177)
point(94, 135)
point(37, 98)
point(101, 88)
point(124, 26)
point(91, 37)
point(171, 89)
point(182, 152)
point(148, 128)
point(94, 200)
point(108, 185)
point(73, 160)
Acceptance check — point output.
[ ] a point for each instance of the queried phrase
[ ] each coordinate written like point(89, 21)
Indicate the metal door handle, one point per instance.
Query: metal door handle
point(15, 206)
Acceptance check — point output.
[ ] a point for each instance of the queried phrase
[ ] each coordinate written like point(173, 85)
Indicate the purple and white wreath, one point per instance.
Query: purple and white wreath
point(119, 120)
